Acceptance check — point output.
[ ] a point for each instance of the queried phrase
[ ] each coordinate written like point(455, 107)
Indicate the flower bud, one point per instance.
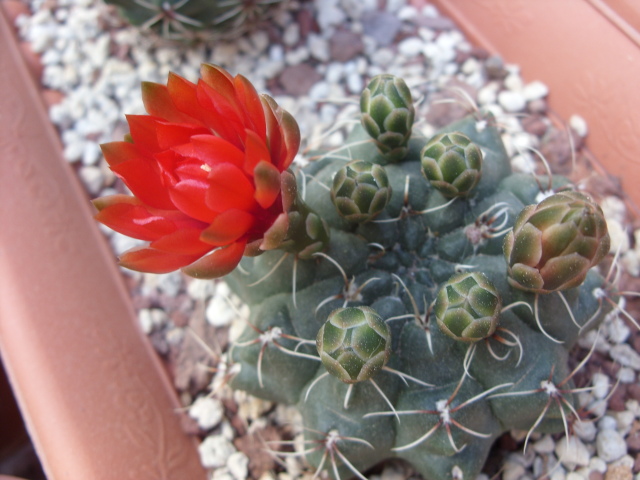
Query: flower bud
point(354, 343)
point(553, 244)
point(387, 115)
point(467, 307)
point(360, 191)
point(452, 163)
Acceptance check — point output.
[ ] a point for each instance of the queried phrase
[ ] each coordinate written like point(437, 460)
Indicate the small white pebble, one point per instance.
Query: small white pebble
point(558, 474)
point(512, 471)
point(624, 421)
point(410, 47)
point(511, 101)
point(597, 465)
point(619, 236)
point(601, 385)
point(238, 465)
point(488, 94)
point(219, 313)
point(607, 422)
point(585, 430)
point(544, 445)
point(291, 34)
point(625, 355)
point(610, 445)
point(535, 91)
point(626, 375)
point(207, 411)
point(513, 82)
point(579, 125)
point(214, 451)
point(575, 476)
point(92, 178)
point(572, 452)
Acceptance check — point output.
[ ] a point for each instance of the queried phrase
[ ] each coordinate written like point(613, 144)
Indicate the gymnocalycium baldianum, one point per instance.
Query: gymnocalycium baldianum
point(412, 296)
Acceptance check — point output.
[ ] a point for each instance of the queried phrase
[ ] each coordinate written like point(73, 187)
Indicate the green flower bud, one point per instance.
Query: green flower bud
point(452, 163)
point(360, 191)
point(387, 115)
point(467, 307)
point(354, 343)
point(553, 244)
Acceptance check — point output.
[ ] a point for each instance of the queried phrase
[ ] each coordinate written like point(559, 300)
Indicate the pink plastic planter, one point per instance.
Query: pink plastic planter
point(94, 397)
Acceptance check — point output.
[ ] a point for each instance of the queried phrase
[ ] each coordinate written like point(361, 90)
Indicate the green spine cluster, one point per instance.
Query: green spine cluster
point(428, 326)
point(196, 19)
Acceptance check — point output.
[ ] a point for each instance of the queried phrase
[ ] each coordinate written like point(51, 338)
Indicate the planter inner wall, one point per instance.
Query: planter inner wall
point(92, 392)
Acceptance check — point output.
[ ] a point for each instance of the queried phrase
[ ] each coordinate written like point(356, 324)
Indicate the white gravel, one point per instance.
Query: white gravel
point(98, 64)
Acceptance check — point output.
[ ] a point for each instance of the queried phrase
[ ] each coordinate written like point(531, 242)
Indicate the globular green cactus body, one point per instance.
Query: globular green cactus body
point(445, 394)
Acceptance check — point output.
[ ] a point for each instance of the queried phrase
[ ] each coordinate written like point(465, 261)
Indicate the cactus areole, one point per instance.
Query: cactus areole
point(416, 303)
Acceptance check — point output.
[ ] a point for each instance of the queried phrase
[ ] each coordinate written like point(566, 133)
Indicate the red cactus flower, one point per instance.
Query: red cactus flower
point(204, 168)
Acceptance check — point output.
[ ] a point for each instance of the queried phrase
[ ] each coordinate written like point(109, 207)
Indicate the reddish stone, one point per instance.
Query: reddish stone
point(297, 80)
point(633, 390)
point(254, 446)
point(306, 22)
point(344, 45)
point(618, 398)
point(535, 125)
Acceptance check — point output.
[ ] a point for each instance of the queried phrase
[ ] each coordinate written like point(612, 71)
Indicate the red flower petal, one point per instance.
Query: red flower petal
point(267, 179)
point(224, 118)
point(283, 133)
point(104, 202)
point(135, 221)
point(140, 174)
point(229, 188)
point(143, 132)
point(227, 227)
point(219, 80)
point(214, 150)
point(218, 263)
point(190, 197)
point(250, 100)
point(145, 259)
point(255, 152)
point(171, 134)
point(183, 242)
point(157, 102)
point(184, 97)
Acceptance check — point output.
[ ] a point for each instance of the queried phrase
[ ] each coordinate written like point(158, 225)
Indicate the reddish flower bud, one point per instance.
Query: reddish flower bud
point(204, 168)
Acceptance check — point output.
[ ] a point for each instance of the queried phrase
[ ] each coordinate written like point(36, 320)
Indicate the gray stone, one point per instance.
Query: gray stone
point(381, 26)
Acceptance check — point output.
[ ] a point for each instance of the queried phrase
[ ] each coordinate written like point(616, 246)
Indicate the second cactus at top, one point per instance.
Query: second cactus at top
point(196, 19)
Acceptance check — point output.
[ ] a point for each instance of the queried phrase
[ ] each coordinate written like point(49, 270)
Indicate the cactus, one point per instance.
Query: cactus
point(196, 19)
point(382, 304)
point(470, 350)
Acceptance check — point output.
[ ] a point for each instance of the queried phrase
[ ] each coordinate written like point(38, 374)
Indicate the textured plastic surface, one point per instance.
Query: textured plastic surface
point(92, 392)
point(586, 51)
